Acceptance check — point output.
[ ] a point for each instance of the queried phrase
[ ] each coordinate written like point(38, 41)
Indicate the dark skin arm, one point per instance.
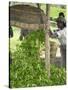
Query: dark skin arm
point(53, 34)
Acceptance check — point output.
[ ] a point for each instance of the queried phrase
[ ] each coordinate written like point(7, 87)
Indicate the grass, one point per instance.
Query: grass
point(14, 41)
point(28, 71)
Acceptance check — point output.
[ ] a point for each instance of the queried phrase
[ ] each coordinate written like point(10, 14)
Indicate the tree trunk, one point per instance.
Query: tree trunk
point(47, 44)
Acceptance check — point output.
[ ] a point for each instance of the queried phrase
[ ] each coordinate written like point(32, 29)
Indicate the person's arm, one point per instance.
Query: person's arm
point(53, 34)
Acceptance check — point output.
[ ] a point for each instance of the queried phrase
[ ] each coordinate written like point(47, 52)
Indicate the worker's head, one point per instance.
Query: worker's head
point(61, 14)
point(61, 23)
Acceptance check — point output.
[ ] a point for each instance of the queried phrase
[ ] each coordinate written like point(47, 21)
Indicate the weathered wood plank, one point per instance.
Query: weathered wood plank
point(25, 14)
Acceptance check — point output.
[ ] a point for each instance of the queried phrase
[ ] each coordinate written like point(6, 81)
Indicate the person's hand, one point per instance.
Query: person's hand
point(50, 33)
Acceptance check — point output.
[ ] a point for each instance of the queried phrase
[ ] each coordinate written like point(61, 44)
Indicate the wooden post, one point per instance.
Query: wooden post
point(47, 44)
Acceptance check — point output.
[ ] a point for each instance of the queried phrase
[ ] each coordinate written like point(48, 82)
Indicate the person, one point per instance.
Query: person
point(60, 34)
point(10, 36)
point(10, 32)
point(23, 33)
point(61, 16)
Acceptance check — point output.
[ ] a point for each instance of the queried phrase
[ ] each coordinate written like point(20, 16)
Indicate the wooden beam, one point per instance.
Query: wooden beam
point(47, 44)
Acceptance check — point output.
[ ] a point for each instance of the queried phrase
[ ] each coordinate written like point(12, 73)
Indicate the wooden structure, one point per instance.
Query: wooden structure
point(47, 43)
point(27, 17)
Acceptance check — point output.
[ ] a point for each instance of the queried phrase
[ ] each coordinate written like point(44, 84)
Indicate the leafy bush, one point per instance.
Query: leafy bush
point(58, 75)
point(27, 69)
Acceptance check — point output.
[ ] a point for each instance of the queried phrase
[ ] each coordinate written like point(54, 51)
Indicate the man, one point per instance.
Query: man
point(61, 35)
point(10, 32)
point(23, 33)
point(10, 36)
point(61, 16)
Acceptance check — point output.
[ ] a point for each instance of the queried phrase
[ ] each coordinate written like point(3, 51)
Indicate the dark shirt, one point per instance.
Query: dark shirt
point(10, 32)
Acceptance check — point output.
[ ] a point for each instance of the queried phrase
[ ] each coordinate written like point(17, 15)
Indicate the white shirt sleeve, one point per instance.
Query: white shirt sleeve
point(58, 34)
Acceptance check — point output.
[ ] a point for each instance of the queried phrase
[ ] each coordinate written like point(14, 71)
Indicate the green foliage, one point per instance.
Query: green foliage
point(55, 10)
point(58, 76)
point(27, 69)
